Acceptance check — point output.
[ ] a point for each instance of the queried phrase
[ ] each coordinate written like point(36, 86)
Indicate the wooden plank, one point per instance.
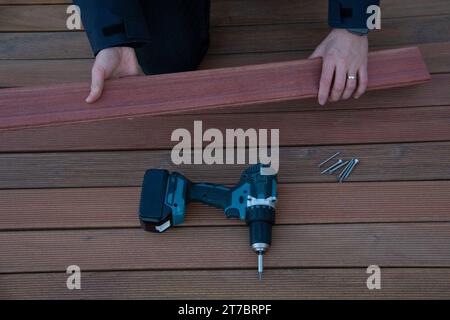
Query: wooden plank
point(397, 283)
point(436, 55)
point(31, 2)
point(14, 18)
point(294, 246)
point(246, 12)
point(395, 32)
point(239, 39)
point(426, 201)
point(38, 72)
point(379, 162)
point(346, 126)
point(207, 89)
point(436, 61)
point(44, 72)
point(44, 17)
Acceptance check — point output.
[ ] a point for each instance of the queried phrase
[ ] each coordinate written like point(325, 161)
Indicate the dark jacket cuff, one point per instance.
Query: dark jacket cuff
point(349, 13)
point(113, 23)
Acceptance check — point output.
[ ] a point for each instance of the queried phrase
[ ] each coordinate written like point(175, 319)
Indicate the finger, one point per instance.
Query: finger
point(362, 82)
point(326, 79)
point(97, 84)
point(339, 83)
point(350, 84)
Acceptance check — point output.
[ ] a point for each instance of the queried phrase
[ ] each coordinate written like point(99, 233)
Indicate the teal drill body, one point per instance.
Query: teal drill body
point(165, 196)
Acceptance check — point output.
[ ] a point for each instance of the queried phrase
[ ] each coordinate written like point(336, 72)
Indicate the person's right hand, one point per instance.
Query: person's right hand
point(111, 63)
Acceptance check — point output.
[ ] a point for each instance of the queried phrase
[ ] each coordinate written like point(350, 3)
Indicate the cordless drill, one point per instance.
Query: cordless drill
point(165, 196)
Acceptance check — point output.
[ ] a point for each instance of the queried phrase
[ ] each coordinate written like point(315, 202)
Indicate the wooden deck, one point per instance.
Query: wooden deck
point(69, 194)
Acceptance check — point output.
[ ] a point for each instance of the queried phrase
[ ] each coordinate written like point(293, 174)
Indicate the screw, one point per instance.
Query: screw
point(333, 166)
point(345, 177)
point(344, 172)
point(332, 157)
point(337, 168)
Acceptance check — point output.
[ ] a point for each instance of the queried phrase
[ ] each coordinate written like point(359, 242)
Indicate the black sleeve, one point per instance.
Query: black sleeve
point(113, 23)
point(349, 13)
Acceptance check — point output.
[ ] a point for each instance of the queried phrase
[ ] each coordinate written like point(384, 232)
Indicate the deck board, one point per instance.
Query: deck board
point(347, 126)
point(305, 283)
point(383, 125)
point(68, 194)
point(296, 246)
point(379, 162)
point(234, 39)
point(319, 203)
point(224, 12)
point(54, 71)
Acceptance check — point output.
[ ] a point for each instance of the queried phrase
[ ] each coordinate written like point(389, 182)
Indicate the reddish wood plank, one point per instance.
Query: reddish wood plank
point(298, 204)
point(208, 89)
point(124, 134)
point(342, 245)
point(350, 283)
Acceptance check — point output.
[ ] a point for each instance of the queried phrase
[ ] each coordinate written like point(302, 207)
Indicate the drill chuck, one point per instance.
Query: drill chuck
point(260, 220)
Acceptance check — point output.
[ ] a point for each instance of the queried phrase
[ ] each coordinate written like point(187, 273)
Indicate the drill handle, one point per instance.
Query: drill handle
point(215, 195)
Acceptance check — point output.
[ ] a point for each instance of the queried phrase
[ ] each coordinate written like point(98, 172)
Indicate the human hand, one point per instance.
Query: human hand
point(111, 63)
point(344, 56)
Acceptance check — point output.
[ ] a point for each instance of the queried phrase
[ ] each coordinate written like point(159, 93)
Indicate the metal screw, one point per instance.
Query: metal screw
point(337, 168)
point(330, 158)
point(333, 166)
point(345, 177)
point(344, 172)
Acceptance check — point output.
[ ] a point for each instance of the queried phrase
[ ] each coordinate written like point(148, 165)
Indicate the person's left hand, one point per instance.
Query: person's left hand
point(344, 55)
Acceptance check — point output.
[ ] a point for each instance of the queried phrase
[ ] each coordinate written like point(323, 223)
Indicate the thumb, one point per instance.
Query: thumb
point(317, 53)
point(97, 84)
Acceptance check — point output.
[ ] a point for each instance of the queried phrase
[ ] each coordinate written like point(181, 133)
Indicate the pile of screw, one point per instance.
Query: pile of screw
point(347, 167)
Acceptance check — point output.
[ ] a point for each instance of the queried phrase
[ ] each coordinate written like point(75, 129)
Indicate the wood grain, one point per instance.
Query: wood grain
point(327, 233)
point(207, 89)
point(313, 203)
point(294, 246)
point(330, 283)
point(90, 136)
point(56, 71)
point(46, 16)
point(379, 162)
point(312, 127)
point(236, 39)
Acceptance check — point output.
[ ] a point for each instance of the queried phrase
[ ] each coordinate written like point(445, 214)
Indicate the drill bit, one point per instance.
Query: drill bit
point(260, 264)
